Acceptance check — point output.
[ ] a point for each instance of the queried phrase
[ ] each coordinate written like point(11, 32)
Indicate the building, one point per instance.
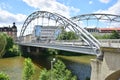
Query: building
point(45, 33)
point(92, 30)
point(102, 30)
point(11, 31)
point(108, 30)
point(48, 33)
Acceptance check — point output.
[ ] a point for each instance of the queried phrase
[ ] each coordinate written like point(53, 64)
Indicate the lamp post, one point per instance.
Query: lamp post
point(53, 60)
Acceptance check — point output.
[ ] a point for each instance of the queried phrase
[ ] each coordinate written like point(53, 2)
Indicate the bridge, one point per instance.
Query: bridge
point(42, 29)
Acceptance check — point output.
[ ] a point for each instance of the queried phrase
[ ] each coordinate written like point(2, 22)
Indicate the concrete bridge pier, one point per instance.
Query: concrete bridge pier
point(28, 49)
point(37, 50)
point(109, 68)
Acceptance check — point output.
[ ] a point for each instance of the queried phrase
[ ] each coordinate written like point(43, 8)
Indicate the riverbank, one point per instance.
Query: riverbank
point(79, 59)
point(14, 68)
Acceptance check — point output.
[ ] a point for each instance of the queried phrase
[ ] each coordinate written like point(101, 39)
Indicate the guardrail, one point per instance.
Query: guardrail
point(110, 43)
point(104, 42)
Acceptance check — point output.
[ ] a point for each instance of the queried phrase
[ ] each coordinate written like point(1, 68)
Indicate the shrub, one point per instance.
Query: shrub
point(59, 72)
point(28, 69)
point(4, 76)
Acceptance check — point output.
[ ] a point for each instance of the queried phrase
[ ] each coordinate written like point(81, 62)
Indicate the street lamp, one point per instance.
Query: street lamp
point(53, 60)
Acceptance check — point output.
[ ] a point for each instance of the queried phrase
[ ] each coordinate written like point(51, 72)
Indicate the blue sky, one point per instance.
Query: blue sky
point(74, 7)
point(18, 10)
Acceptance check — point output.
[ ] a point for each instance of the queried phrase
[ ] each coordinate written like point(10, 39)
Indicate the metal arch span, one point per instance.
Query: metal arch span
point(87, 37)
point(98, 16)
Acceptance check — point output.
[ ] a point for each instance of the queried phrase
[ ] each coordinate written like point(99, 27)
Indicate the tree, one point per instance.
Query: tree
point(3, 43)
point(45, 75)
point(10, 43)
point(67, 36)
point(28, 69)
point(52, 51)
point(59, 72)
point(115, 35)
point(4, 76)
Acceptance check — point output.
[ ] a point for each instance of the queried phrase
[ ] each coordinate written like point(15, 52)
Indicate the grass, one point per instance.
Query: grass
point(80, 59)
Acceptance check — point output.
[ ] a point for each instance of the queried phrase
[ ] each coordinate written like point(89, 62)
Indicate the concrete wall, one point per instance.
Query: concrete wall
point(109, 68)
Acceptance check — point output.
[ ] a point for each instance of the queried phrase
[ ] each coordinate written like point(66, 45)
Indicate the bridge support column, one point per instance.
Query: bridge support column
point(28, 49)
point(96, 69)
point(109, 68)
point(37, 50)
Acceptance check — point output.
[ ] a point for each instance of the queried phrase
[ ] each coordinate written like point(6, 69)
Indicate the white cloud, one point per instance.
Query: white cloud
point(52, 6)
point(7, 18)
point(104, 1)
point(115, 9)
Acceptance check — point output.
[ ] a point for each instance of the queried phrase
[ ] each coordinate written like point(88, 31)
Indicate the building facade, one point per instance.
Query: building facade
point(11, 31)
point(102, 30)
point(45, 33)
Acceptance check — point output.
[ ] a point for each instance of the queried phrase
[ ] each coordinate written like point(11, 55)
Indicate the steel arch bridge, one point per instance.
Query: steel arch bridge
point(71, 25)
point(97, 16)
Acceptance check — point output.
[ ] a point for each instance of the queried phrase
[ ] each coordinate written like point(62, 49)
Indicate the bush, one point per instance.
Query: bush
point(45, 75)
point(4, 76)
point(28, 69)
point(7, 46)
point(50, 51)
point(115, 35)
point(59, 72)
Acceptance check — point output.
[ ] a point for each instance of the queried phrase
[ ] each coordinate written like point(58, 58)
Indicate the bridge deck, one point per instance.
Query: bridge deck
point(78, 49)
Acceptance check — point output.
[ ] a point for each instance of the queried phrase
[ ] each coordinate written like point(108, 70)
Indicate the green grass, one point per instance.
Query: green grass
point(80, 59)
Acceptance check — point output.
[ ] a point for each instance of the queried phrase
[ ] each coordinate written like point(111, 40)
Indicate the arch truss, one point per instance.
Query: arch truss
point(97, 16)
point(68, 23)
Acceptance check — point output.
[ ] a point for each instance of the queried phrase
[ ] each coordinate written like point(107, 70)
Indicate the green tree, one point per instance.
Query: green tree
point(3, 43)
point(115, 35)
point(28, 69)
point(105, 36)
point(4, 76)
point(59, 72)
point(10, 43)
point(67, 36)
point(45, 75)
point(52, 51)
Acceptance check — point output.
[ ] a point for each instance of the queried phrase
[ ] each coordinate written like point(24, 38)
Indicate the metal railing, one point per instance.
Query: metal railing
point(110, 43)
point(104, 42)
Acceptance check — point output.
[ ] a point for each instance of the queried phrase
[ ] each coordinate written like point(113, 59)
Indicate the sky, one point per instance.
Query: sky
point(18, 10)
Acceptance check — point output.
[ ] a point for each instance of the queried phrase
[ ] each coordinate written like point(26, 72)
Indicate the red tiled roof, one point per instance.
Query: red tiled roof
point(109, 29)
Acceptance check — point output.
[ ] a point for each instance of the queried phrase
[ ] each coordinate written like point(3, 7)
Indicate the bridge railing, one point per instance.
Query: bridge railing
point(104, 42)
point(110, 42)
point(70, 42)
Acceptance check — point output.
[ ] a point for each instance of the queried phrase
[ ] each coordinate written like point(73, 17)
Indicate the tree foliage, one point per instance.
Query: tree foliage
point(115, 35)
point(28, 69)
point(7, 46)
point(4, 76)
point(59, 72)
point(67, 36)
point(10, 43)
point(3, 43)
point(52, 51)
point(45, 75)
point(105, 36)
